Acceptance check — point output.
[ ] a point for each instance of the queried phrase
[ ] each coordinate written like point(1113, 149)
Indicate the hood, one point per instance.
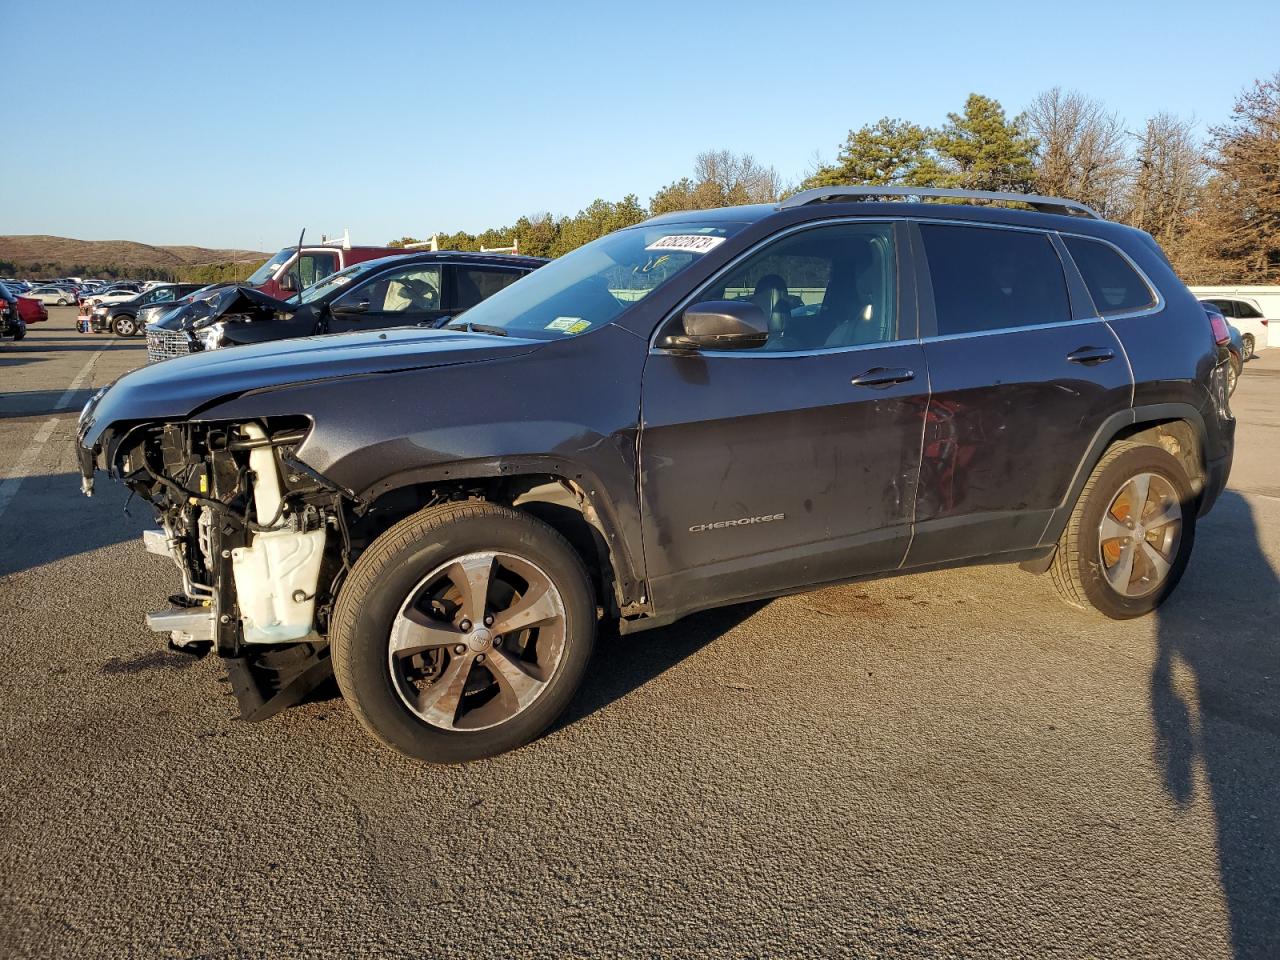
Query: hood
point(177, 388)
point(219, 301)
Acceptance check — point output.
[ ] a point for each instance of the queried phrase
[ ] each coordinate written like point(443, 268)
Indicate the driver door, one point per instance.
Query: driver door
point(404, 296)
point(793, 464)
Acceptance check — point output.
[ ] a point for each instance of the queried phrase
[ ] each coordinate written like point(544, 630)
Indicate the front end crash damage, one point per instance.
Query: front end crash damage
point(260, 540)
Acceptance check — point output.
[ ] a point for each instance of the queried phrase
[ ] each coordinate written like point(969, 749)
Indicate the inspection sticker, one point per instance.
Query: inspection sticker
point(568, 324)
point(688, 242)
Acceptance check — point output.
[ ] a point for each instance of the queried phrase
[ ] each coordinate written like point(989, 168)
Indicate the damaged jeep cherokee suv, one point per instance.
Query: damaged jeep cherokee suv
point(706, 408)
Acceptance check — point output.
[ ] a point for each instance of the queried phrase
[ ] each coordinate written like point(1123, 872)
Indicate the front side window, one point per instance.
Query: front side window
point(990, 279)
point(480, 283)
point(824, 288)
point(412, 289)
point(1114, 285)
point(1226, 307)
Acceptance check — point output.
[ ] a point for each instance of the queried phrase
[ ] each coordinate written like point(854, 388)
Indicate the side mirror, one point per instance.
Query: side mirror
point(289, 283)
point(340, 307)
point(720, 325)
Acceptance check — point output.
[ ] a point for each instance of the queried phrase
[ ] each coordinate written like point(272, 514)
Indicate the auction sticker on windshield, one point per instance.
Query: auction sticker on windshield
point(688, 242)
point(569, 324)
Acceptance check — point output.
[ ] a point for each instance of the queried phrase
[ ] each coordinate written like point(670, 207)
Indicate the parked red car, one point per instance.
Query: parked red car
point(12, 323)
point(31, 311)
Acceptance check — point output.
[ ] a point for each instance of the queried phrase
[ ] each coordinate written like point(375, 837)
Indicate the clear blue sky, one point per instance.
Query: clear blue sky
point(236, 124)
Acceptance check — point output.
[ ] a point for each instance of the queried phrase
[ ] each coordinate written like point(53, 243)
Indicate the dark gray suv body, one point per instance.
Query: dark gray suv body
point(707, 408)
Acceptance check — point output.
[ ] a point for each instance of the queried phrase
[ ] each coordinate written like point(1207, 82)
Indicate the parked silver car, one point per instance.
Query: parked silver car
point(54, 295)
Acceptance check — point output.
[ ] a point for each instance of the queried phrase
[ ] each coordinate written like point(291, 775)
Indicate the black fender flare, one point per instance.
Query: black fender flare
point(598, 507)
point(1105, 435)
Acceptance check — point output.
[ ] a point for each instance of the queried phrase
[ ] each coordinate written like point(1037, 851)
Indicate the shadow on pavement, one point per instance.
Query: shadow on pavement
point(49, 520)
point(37, 403)
point(1221, 632)
point(622, 664)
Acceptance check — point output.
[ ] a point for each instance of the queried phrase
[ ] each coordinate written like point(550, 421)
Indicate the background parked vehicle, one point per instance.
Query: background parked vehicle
point(1248, 318)
point(1255, 309)
point(1235, 345)
point(288, 272)
point(52, 296)
point(31, 310)
point(407, 289)
point(121, 317)
point(12, 323)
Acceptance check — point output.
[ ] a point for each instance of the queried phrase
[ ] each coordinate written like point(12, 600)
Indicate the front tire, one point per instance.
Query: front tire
point(125, 326)
point(1130, 535)
point(463, 632)
point(1248, 344)
point(20, 330)
point(62, 302)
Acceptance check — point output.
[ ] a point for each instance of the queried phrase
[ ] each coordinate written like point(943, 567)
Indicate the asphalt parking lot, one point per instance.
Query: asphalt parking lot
point(948, 764)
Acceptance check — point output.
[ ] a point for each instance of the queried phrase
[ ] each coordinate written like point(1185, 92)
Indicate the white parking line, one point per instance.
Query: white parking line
point(9, 486)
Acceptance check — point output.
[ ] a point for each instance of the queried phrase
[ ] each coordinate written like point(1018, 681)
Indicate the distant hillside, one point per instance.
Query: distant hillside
point(48, 256)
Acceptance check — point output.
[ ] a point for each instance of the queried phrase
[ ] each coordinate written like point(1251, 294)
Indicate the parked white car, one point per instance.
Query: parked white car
point(1253, 310)
point(115, 296)
point(51, 295)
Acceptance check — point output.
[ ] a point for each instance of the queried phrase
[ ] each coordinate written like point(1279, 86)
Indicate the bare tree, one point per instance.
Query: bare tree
point(1167, 173)
point(1082, 149)
point(1238, 229)
point(721, 178)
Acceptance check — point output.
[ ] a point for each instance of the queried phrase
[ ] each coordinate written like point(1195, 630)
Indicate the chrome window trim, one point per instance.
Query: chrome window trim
point(755, 248)
point(1158, 303)
point(937, 338)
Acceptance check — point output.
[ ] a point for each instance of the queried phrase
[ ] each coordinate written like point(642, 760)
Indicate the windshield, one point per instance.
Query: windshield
point(334, 281)
point(588, 288)
point(268, 269)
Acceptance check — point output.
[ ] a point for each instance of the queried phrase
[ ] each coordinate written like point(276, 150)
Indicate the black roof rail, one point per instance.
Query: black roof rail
point(839, 194)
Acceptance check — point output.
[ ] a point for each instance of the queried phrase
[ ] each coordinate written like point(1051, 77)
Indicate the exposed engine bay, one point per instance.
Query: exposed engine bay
point(260, 540)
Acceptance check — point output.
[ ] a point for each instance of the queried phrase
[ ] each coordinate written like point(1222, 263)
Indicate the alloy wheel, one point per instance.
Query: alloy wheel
point(1139, 535)
point(477, 641)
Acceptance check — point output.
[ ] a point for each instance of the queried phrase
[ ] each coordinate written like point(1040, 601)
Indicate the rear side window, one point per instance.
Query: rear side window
point(1247, 311)
point(986, 279)
point(476, 283)
point(1114, 285)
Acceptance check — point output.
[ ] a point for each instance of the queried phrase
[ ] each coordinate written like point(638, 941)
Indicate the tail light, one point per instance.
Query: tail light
point(1218, 324)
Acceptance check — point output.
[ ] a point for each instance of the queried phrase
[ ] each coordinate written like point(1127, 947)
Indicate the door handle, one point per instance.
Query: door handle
point(883, 377)
point(1091, 355)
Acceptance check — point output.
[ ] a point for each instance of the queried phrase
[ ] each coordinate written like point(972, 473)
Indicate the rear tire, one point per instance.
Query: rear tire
point(1234, 367)
point(1108, 530)
point(1249, 345)
point(426, 680)
point(62, 302)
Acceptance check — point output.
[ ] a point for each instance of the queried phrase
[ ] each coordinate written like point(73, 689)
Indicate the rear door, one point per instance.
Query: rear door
point(468, 284)
point(1023, 372)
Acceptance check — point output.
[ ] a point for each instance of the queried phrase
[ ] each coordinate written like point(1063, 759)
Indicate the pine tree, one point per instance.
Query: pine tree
point(889, 152)
point(982, 150)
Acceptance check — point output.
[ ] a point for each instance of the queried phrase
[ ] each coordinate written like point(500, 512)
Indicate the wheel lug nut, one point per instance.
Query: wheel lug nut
point(479, 658)
point(488, 620)
point(460, 648)
point(497, 641)
point(465, 626)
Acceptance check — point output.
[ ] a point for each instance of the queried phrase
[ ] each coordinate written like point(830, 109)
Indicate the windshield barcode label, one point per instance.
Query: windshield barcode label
point(688, 242)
